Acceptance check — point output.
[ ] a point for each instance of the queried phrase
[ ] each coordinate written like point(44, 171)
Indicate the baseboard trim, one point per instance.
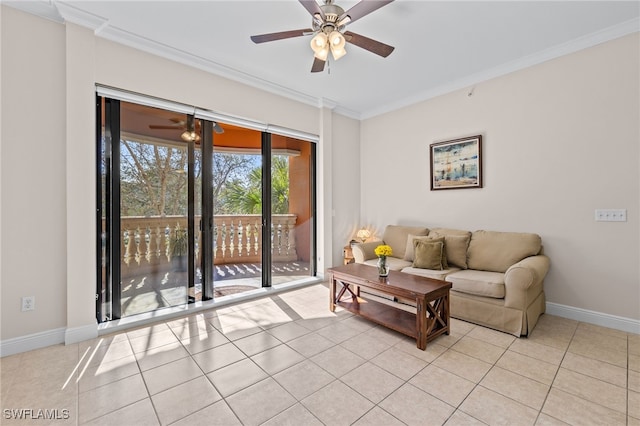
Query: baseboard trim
point(78, 334)
point(592, 317)
point(32, 341)
point(91, 331)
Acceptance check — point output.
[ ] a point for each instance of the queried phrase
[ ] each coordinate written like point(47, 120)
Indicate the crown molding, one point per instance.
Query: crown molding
point(62, 12)
point(80, 17)
point(42, 8)
point(125, 38)
point(103, 29)
point(581, 43)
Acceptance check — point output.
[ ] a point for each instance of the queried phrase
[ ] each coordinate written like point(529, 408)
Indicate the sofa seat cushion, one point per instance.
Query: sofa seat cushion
point(479, 283)
point(393, 263)
point(430, 273)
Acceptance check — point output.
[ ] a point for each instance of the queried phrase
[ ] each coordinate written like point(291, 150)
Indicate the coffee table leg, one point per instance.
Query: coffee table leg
point(332, 295)
point(446, 312)
point(421, 324)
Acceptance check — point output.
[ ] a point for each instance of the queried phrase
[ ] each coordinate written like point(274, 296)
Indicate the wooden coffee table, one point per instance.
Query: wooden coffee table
point(431, 296)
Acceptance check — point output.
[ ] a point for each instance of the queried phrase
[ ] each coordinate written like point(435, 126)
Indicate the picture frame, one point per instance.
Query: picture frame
point(457, 163)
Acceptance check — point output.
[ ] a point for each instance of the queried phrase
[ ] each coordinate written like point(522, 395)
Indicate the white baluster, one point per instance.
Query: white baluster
point(291, 250)
point(128, 239)
point(225, 240)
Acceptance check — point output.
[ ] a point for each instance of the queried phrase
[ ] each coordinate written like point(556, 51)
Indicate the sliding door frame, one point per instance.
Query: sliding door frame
point(206, 213)
point(108, 168)
point(266, 210)
point(112, 206)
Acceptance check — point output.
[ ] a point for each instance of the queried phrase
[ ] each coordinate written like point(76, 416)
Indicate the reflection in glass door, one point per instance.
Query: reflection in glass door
point(291, 209)
point(154, 193)
point(237, 206)
point(147, 167)
point(186, 215)
point(249, 167)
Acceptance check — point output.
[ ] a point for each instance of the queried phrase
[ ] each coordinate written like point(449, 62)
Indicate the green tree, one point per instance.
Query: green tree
point(227, 168)
point(244, 195)
point(153, 179)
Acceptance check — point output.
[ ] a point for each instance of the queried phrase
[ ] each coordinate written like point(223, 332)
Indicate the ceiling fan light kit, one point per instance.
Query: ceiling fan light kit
point(328, 29)
point(321, 44)
point(190, 136)
point(191, 129)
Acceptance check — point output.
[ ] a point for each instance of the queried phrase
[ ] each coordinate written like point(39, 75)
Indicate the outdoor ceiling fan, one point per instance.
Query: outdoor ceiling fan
point(328, 30)
point(191, 132)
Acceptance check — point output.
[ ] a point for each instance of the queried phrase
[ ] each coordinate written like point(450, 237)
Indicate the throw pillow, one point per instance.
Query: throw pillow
point(428, 254)
point(445, 264)
point(408, 253)
point(455, 247)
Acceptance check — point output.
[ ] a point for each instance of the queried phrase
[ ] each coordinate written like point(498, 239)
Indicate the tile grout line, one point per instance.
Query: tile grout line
point(556, 374)
point(577, 332)
point(475, 386)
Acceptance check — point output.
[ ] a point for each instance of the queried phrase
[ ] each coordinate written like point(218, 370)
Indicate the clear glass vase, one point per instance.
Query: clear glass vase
point(383, 268)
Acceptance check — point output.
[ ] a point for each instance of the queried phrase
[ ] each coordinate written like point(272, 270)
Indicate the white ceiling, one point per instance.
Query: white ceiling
point(439, 45)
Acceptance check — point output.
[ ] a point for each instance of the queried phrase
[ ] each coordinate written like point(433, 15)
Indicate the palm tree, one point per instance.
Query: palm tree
point(244, 196)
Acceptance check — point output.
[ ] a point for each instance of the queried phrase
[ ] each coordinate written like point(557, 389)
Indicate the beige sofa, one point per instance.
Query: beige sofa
point(497, 277)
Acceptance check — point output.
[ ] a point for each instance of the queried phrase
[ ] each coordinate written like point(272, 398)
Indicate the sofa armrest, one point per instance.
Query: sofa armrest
point(524, 278)
point(365, 251)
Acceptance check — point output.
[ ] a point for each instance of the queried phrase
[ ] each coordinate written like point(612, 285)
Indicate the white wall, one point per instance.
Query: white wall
point(33, 174)
point(48, 162)
point(560, 140)
point(345, 167)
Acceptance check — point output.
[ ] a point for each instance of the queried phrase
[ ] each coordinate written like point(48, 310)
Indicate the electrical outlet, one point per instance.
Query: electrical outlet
point(611, 215)
point(28, 303)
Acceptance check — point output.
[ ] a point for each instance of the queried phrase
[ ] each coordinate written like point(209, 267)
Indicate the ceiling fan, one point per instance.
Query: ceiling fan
point(328, 30)
point(191, 132)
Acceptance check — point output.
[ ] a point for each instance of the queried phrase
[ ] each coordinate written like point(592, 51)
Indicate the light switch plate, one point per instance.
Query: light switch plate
point(611, 215)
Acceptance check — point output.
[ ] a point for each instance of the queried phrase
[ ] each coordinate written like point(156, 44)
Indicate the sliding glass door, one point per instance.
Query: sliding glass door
point(237, 203)
point(190, 209)
point(150, 204)
point(291, 164)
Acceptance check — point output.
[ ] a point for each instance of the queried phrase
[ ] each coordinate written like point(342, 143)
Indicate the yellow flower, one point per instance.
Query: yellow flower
point(383, 251)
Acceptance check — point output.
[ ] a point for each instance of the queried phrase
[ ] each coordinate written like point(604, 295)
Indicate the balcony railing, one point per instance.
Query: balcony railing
point(146, 241)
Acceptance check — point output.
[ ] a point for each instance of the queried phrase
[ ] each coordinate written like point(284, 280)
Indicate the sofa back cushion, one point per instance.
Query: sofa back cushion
point(497, 251)
point(396, 237)
point(409, 249)
point(456, 243)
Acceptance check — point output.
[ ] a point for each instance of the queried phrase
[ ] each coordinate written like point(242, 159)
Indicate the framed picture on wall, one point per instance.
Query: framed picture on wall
point(457, 163)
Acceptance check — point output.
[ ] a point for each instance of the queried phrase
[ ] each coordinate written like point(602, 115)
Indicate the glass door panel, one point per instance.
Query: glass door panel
point(103, 293)
point(291, 209)
point(195, 288)
point(237, 206)
point(154, 229)
point(187, 215)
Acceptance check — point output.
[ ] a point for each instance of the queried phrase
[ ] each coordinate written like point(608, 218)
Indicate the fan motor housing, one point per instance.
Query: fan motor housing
point(331, 12)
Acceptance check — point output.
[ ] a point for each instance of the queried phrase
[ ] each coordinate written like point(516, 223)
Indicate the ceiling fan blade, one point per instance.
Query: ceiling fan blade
point(279, 36)
point(318, 65)
point(363, 8)
point(312, 7)
point(366, 43)
point(157, 126)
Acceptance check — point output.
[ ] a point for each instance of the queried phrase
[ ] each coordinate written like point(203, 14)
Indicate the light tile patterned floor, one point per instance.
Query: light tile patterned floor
point(285, 359)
